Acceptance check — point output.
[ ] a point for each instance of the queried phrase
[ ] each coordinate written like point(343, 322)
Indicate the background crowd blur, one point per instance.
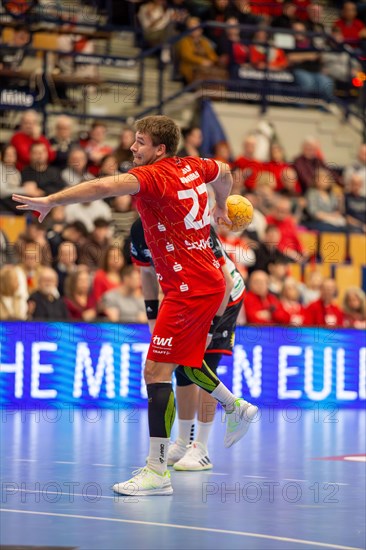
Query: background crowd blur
point(302, 257)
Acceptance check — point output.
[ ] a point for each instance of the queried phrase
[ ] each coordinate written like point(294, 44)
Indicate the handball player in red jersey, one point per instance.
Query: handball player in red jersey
point(171, 197)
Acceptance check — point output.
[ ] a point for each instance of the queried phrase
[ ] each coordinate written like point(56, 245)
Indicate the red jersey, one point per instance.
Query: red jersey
point(318, 314)
point(254, 305)
point(173, 205)
point(350, 31)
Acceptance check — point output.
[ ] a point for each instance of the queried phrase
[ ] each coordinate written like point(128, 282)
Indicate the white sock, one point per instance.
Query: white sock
point(158, 454)
point(186, 430)
point(225, 397)
point(203, 432)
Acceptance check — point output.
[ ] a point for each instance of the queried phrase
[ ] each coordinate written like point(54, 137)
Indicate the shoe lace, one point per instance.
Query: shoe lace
point(140, 472)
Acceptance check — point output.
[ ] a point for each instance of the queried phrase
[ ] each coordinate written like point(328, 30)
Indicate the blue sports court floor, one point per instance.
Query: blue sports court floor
point(296, 481)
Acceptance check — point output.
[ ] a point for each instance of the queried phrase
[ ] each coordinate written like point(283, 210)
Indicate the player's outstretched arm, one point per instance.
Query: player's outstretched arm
point(88, 191)
point(222, 188)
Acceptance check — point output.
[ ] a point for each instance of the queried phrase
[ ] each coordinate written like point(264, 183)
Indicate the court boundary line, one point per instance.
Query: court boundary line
point(186, 527)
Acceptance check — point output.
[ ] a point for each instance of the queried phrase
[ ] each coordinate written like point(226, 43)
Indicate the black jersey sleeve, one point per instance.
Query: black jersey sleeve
point(216, 244)
point(140, 253)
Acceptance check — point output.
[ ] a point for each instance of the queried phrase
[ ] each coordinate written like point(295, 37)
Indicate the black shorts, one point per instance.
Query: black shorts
point(224, 335)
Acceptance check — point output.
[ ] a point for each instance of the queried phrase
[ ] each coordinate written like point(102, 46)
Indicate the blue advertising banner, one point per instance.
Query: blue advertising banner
point(101, 365)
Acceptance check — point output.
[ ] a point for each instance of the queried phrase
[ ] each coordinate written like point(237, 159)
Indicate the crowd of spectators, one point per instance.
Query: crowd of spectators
point(76, 264)
point(318, 62)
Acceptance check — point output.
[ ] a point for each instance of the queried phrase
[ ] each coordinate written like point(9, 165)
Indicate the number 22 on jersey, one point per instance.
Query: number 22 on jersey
point(190, 220)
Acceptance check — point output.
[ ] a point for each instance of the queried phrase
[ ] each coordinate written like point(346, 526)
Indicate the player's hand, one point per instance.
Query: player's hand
point(220, 215)
point(41, 205)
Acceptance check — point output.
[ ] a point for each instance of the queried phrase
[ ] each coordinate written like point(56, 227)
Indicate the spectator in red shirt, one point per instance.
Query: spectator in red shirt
point(277, 164)
point(261, 306)
point(263, 58)
point(353, 30)
point(289, 244)
point(290, 302)
point(108, 276)
point(302, 9)
point(28, 134)
point(247, 167)
point(95, 146)
point(354, 307)
point(324, 312)
point(80, 303)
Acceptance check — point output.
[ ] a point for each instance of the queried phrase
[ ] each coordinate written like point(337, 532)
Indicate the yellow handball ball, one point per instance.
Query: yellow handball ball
point(240, 211)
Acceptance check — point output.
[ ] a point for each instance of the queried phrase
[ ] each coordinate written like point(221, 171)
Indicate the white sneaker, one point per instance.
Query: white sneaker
point(238, 421)
point(176, 451)
point(195, 459)
point(145, 482)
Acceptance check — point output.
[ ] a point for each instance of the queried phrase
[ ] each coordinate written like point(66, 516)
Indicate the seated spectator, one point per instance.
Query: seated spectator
point(196, 56)
point(108, 277)
point(76, 170)
point(323, 206)
point(261, 306)
point(77, 233)
point(277, 163)
point(264, 191)
point(36, 232)
point(309, 162)
point(290, 188)
point(11, 180)
point(306, 66)
point(63, 141)
point(237, 248)
point(13, 58)
point(47, 178)
point(266, 58)
point(124, 214)
point(267, 252)
point(310, 291)
point(65, 264)
point(241, 10)
point(354, 308)
point(125, 304)
point(256, 229)
point(155, 18)
point(337, 63)
point(277, 271)
point(247, 166)
point(28, 134)
point(324, 312)
point(218, 13)
point(222, 152)
point(13, 306)
point(231, 49)
point(290, 302)
point(355, 205)
point(180, 13)
point(314, 24)
point(92, 251)
point(192, 141)
point(288, 16)
point(56, 225)
point(123, 152)
point(289, 244)
point(7, 254)
point(79, 300)
point(88, 213)
point(29, 267)
point(95, 146)
point(353, 30)
point(302, 9)
point(9, 174)
point(46, 303)
point(358, 167)
point(109, 167)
